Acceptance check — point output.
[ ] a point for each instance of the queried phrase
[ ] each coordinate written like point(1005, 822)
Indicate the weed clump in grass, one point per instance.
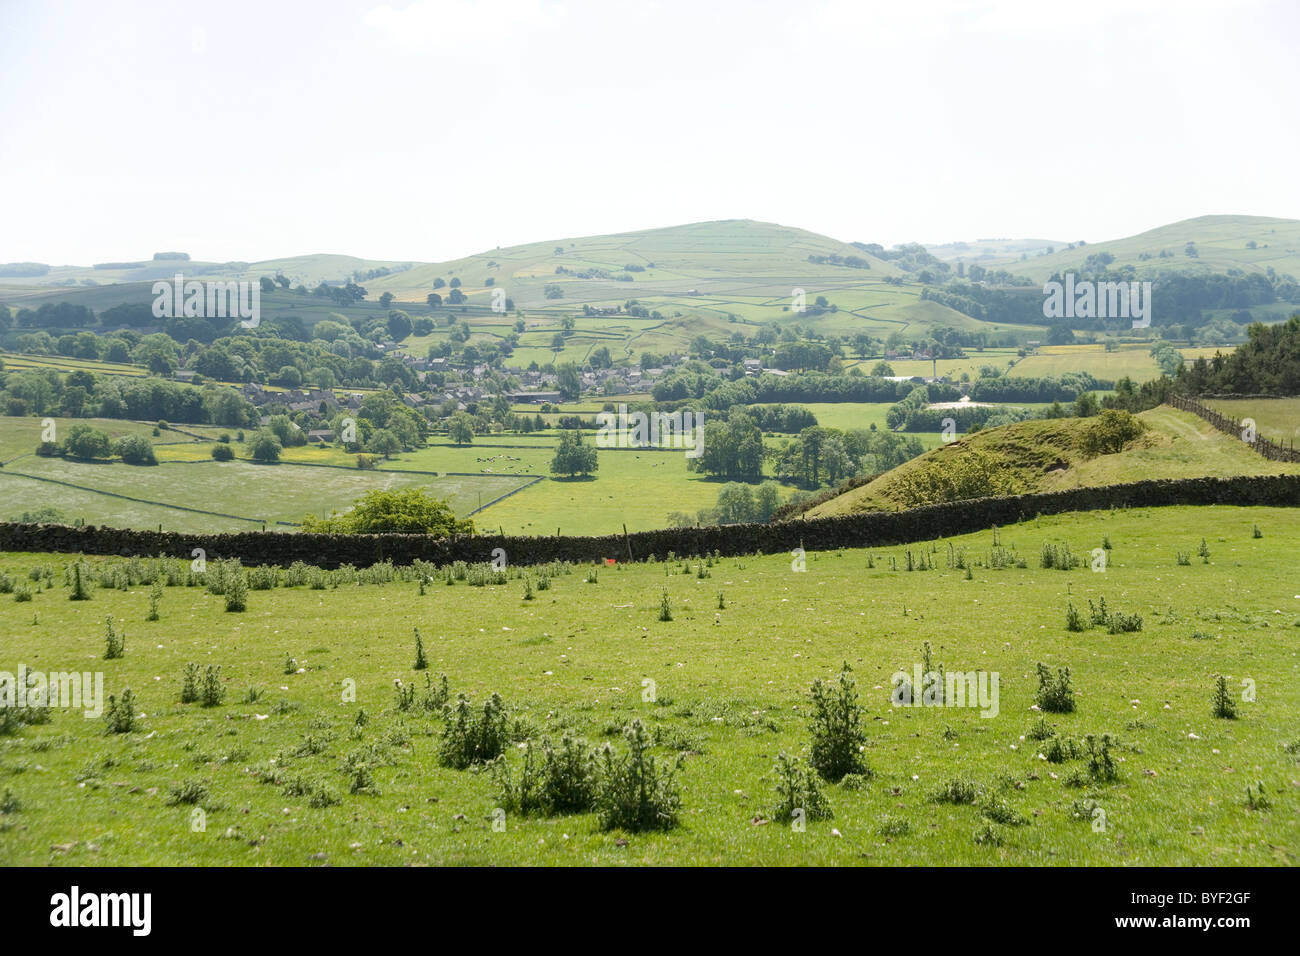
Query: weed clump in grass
point(189, 792)
point(1257, 799)
point(836, 725)
point(236, 590)
point(213, 692)
point(893, 827)
point(1041, 730)
point(956, 791)
point(999, 811)
point(1054, 693)
point(471, 736)
point(800, 795)
point(1204, 552)
point(633, 792)
point(665, 607)
point(1073, 619)
point(119, 718)
point(1059, 750)
point(80, 592)
point(988, 836)
point(1224, 707)
point(190, 684)
point(563, 781)
point(155, 596)
point(1101, 765)
point(421, 662)
point(114, 643)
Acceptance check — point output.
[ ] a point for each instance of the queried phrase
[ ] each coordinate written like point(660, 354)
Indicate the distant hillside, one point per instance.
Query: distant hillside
point(1043, 455)
point(1221, 243)
point(708, 257)
point(307, 270)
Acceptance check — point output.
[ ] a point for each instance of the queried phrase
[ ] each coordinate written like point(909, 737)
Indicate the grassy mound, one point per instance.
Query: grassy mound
point(1039, 456)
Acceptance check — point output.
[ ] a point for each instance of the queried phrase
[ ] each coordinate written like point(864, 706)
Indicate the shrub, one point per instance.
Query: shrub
point(797, 789)
point(1054, 693)
point(633, 793)
point(223, 453)
point(1224, 707)
point(155, 596)
point(837, 736)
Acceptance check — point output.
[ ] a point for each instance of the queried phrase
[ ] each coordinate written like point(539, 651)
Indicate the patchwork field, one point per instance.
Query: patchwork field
point(267, 776)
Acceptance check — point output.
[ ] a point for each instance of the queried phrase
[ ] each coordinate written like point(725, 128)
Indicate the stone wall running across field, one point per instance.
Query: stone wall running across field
point(819, 534)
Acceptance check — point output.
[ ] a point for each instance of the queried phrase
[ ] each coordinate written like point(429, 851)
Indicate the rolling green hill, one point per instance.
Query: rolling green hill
point(1043, 455)
point(1221, 244)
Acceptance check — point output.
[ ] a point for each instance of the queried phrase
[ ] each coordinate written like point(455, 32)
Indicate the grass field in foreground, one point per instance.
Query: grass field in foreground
point(730, 688)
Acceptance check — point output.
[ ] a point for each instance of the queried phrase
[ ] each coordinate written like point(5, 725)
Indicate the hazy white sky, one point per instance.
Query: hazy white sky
point(438, 128)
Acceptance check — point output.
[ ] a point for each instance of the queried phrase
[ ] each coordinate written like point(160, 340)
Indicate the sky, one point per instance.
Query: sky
point(435, 129)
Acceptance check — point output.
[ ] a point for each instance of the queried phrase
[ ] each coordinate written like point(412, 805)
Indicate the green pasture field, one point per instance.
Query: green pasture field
point(1275, 418)
point(253, 492)
point(727, 689)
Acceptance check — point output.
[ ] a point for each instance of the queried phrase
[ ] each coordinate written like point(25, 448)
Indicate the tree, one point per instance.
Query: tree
point(399, 324)
point(882, 370)
point(407, 511)
point(386, 300)
point(265, 447)
point(83, 441)
point(1109, 432)
point(572, 457)
point(135, 450)
point(384, 442)
point(461, 428)
point(568, 381)
point(433, 299)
